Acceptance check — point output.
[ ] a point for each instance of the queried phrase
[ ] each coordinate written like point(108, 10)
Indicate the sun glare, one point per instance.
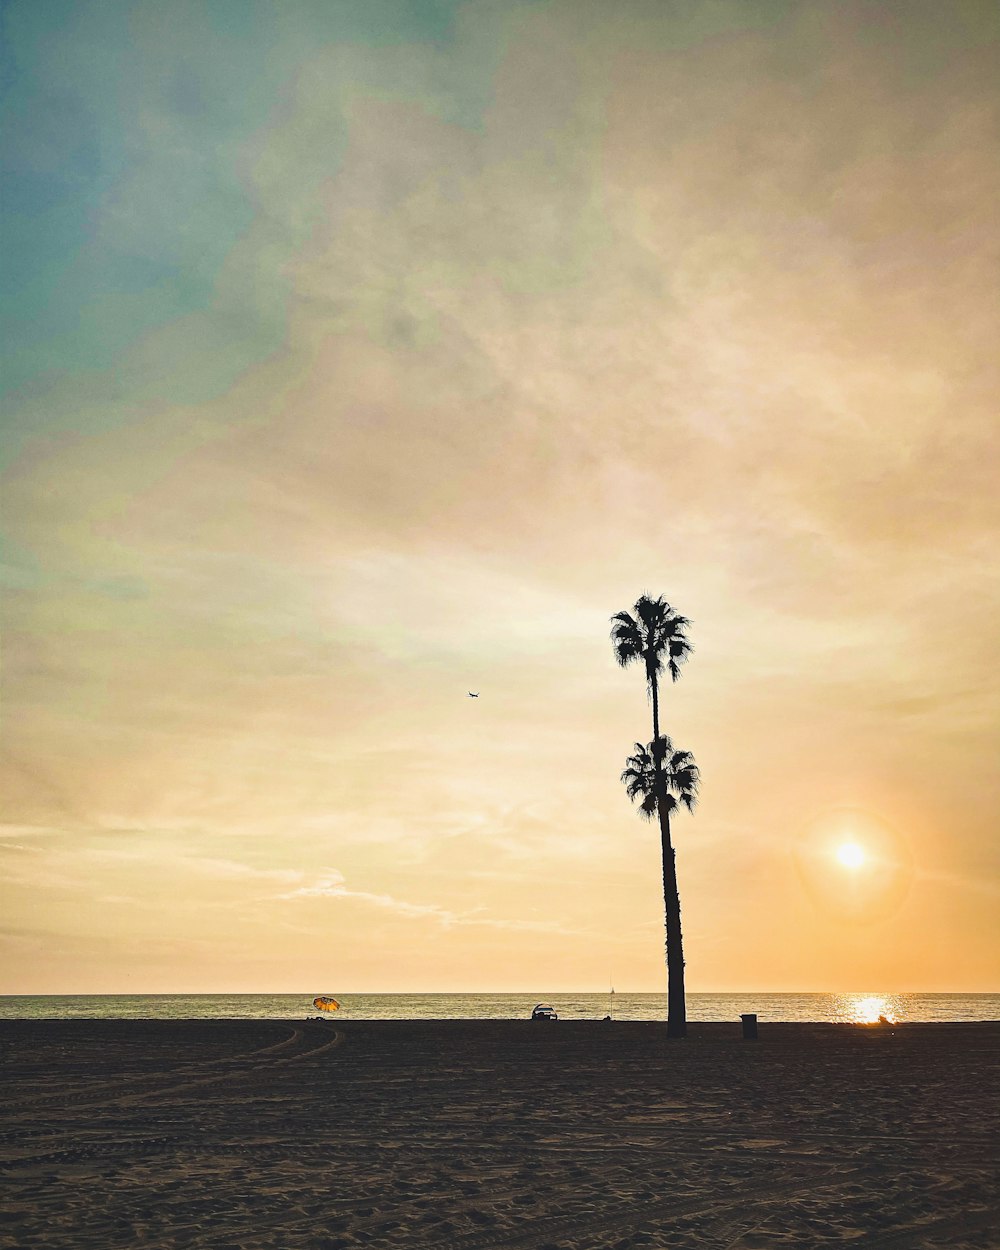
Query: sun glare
point(869, 1009)
point(853, 864)
point(850, 855)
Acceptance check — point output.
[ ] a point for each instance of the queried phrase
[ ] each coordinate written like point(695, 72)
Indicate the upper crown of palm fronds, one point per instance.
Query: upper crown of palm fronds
point(655, 632)
point(679, 776)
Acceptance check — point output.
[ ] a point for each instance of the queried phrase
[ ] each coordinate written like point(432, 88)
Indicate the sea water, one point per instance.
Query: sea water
point(861, 1007)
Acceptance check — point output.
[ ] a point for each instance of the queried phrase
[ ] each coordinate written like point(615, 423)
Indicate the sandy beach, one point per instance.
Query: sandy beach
point(480, 1134)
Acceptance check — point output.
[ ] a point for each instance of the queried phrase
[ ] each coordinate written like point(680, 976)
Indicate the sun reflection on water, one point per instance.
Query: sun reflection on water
point(868, 1009)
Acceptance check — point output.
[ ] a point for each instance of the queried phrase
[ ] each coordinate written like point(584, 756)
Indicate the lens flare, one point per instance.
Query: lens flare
point(853, 865)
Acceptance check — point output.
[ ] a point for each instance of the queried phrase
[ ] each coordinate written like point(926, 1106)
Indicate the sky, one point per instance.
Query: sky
point(358, 356)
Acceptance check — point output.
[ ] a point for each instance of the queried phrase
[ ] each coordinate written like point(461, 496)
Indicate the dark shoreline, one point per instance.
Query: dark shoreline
point(699, 1029)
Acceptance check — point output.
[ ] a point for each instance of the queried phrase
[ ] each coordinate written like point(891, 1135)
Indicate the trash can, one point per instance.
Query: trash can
point(749, 1027)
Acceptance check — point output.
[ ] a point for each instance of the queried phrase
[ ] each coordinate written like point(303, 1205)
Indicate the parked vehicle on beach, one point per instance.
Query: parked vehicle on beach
point(542, 1011)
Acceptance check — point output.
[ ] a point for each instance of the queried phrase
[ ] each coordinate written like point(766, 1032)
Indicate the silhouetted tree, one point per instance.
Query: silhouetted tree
point(655, 634)
point(655, 637)
point(661, 778)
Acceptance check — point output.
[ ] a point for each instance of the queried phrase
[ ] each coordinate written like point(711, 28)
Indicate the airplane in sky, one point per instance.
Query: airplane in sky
point(473, 696)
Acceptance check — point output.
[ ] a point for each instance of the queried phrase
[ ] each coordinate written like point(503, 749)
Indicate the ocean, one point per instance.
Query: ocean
point(861, 1007)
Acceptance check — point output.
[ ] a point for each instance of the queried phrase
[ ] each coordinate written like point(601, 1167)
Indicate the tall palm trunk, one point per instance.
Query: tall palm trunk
point(655, 694)
point(676, 1008)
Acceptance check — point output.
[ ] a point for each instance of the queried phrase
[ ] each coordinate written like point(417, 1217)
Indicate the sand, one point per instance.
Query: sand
point(477, 1134)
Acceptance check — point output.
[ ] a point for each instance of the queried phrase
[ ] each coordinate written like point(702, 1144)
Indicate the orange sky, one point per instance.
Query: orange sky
point(395, 379)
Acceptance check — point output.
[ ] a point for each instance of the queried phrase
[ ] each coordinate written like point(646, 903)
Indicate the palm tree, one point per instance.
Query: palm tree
point(654, 635)
point(663, 778)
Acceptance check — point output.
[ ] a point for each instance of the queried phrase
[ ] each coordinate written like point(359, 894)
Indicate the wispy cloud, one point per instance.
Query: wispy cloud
point(456, 335)
point(332, 885)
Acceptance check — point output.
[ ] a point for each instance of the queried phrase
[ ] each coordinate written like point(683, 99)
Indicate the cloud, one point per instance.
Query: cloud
point(475, 338)
point(75, 862)
point(333, 885)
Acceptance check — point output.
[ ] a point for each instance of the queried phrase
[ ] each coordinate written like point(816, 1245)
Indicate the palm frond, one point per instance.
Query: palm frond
point(650, 611)
point(625, 651)
point(633, 783)
point(657, 764)
point(655, 631)
point(626, 638)
point(679, 649)
point(640, 761)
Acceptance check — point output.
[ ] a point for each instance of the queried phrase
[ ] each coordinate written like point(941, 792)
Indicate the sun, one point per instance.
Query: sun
point(853, 864)
point(850, 855)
